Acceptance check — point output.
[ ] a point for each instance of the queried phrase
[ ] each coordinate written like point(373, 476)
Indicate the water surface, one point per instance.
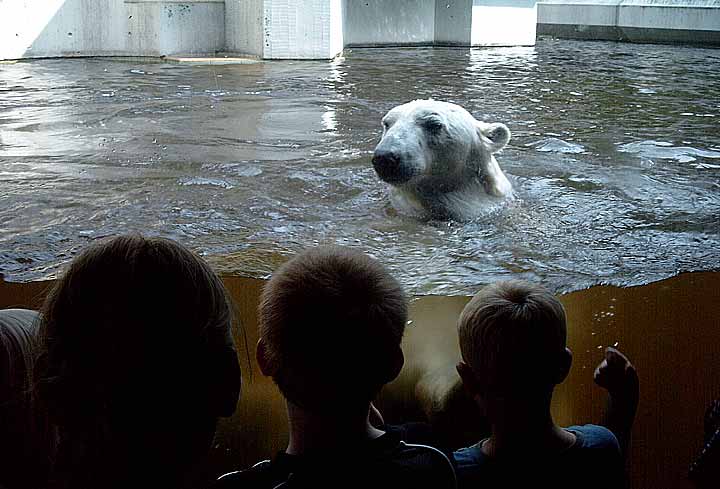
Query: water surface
point(615, 160)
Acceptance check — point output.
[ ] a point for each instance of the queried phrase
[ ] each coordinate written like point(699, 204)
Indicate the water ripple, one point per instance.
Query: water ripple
point(615, 161)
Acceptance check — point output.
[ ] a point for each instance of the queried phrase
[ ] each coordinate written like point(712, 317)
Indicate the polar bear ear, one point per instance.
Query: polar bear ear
point(495, 136)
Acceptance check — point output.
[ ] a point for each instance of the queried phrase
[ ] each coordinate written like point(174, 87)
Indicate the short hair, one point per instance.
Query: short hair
point(510, 334)
point(134, 325)
point(332, 320)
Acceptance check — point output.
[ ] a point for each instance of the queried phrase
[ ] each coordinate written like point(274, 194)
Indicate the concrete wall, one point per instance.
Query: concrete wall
point(453, 25)
point(389, 22)
point(319, 29)
point(440, 22)
point(673, 21)
point(157, 28)
point(270, 29)
point(38, 28)
point(43, 28)
point(244, 26)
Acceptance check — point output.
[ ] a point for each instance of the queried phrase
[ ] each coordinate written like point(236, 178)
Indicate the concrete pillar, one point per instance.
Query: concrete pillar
point(302, 29)
point(285, 29)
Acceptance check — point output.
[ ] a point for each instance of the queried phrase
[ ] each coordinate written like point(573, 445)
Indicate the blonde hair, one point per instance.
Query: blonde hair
point(331, 320)
point(509, 334)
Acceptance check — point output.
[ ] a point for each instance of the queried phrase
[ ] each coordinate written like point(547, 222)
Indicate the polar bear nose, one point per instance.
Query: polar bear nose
point(388, 165)
point(385, 158)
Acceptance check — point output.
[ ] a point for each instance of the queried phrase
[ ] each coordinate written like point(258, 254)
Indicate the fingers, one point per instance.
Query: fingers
point(612, 368)
point(616, 374)
point(615, 358)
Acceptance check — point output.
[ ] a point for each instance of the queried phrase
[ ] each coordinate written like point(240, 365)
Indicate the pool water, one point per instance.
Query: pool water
point(615, 161)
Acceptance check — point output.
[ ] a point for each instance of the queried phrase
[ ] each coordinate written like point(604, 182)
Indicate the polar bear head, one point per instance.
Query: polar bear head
point(430, 149)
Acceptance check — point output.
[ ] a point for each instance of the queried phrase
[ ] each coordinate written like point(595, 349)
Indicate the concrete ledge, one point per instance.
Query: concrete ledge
point(665, 21)
point(630, 34)
point(212, 60)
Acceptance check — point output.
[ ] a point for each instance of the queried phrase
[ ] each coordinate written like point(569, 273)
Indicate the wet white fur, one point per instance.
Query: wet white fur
point(456, 173)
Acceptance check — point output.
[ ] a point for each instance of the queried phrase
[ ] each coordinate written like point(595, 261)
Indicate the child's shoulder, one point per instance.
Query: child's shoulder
point(471, 456)
point(592, 436)
point(259, 475)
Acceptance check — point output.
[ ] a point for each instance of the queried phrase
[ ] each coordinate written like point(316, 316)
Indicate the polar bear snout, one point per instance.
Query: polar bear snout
point(391, 167)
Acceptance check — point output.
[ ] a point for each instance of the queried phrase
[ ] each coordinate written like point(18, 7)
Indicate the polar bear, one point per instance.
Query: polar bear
point(440, 160)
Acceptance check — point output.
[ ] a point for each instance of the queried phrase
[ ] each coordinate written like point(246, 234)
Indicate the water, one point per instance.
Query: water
point(615, 159)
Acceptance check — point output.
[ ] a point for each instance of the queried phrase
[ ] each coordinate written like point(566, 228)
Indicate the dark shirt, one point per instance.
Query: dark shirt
point(594, 461)
point(383, 462)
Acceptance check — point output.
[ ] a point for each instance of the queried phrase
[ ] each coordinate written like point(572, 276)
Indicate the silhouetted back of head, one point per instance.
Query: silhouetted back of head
point(135, 338)
point(512, 335)
point(331, 322)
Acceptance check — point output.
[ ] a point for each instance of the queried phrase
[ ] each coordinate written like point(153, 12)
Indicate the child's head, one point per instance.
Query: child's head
point(331, 323)
point(136, 337)
point(512, 339)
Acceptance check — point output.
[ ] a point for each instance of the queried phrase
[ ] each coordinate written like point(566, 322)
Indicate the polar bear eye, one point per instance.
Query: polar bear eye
point(433, 124)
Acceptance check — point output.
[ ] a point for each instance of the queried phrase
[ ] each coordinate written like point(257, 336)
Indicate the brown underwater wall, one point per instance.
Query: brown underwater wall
point(670, 330)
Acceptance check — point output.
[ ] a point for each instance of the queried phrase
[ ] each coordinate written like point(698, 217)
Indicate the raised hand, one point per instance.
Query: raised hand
point(616, 374)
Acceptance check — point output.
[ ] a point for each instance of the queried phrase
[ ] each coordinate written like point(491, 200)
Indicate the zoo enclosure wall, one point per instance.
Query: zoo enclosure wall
point(321, 29)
